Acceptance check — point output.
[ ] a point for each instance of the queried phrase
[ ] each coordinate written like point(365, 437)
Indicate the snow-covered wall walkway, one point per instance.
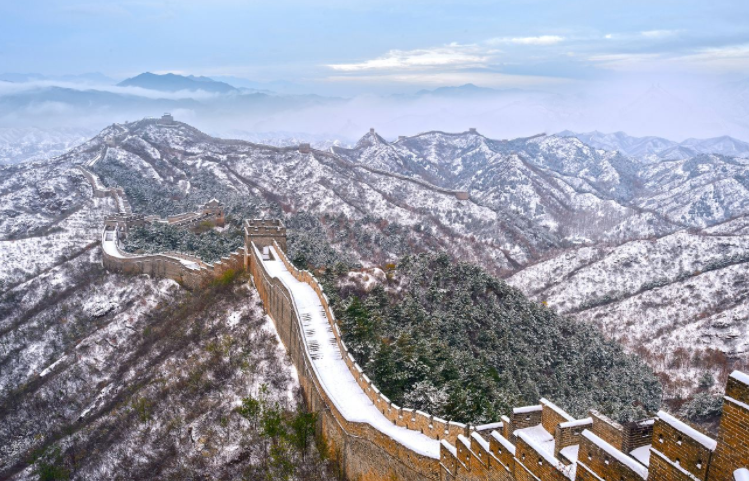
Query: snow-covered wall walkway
point(372, 438)
point(332, 371)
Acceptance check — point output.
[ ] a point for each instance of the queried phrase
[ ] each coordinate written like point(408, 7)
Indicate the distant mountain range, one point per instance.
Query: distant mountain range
point(466, 90)
point(658, 148)
point(174, 83)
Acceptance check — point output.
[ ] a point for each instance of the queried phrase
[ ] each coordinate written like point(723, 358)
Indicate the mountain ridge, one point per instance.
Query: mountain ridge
point(652, 148)
point(170, 82)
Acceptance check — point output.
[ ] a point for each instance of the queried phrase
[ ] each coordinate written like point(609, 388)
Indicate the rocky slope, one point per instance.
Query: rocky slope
point(675, 300)
point(110, 377)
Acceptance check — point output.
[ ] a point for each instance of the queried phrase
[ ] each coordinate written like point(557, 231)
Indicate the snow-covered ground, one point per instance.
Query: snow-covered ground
point(22, 144)
point(682, 293)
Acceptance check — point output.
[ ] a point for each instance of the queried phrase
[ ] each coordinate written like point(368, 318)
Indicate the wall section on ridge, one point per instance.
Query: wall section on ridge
point(363, 452)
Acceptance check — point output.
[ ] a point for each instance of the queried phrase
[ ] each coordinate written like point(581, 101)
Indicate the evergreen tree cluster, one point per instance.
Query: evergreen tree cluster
point(308, 244)
point(210, 246)
point(287, 439)
point(449, 339)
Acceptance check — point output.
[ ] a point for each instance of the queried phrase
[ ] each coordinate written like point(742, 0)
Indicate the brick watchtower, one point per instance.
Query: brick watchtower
point(263, 232)
point(213, 208)
point(732, 450)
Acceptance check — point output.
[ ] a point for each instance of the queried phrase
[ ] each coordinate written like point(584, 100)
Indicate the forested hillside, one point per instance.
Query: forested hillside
point(448, 338)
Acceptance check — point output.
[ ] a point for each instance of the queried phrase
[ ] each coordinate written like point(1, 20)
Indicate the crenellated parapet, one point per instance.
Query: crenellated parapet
point(541, 442)
point(264, 232)
point(188, 270)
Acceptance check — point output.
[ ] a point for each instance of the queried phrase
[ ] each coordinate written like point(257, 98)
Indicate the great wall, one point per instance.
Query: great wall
point(372, 438)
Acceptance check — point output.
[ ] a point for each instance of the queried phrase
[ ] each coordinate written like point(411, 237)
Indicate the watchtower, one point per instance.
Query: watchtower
point(263, 232)
point(215, 209)
point(167, 119)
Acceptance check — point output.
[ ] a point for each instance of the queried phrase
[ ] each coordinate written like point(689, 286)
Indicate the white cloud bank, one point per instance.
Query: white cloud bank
point(539, 40)
point(448, 56)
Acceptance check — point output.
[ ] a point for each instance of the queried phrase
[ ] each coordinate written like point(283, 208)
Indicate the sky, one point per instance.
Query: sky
point(354, 47)
point(674, 68)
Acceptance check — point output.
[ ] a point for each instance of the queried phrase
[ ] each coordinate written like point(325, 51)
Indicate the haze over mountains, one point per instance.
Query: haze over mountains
point(219, 104)
point(660, 148)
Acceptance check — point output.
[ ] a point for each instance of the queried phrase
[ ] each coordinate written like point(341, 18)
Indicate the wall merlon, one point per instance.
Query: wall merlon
point(607, 429)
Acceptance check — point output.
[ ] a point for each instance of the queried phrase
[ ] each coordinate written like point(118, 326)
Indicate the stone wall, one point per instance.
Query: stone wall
point(732, 450)
point(169, 265)
point(264, 232)
point(531, 465)
point(570, 433)
point(676, 451)
point(607, 429)
point(597, 459)
point(552, 416)
point(636, 434)
point(363, 452)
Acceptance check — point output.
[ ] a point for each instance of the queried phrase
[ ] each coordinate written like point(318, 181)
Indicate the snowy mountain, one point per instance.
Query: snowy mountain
point(29, 143)
point(526, 195)
point(652, 252)
point(658, 148)
point(91, 359)
point(662, 298)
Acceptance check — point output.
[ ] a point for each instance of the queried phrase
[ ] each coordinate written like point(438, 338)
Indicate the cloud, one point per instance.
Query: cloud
point(438, 79)
point(622, 61)
point(707, 60)
point(448, 56)
point(658, 33)
point(12, 88)
point(539, 40)
point(726, 59)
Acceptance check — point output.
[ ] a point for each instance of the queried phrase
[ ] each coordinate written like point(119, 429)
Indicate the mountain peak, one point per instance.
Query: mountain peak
point(369, 139)
point(171, 82)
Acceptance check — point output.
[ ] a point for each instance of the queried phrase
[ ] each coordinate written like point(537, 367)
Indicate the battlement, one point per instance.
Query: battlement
point(263, 232)
point(542, 442)
point(732, 446)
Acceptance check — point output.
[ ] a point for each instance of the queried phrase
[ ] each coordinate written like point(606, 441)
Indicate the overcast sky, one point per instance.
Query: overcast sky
point(355, 46)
